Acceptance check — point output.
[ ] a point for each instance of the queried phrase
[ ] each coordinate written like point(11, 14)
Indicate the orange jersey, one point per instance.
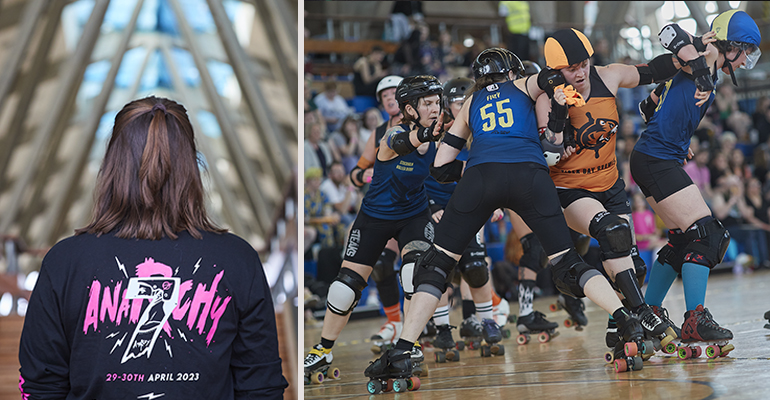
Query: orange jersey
point(593, 166)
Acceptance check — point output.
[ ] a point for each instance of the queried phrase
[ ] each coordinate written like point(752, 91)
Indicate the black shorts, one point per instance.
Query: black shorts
point(614, 199)
point(525, 188)
point(369, 235)
point(656, 177)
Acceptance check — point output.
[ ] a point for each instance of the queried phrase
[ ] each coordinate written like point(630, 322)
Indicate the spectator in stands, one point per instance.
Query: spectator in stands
point(400, 18)
point(761, 119)
point(756, 214)
point(367, 72)
point(346, 143)
point(699, 172)
point(648, 234)
point(446, 53)
point(341, 193)
point(317, 151)
point(726, 102)
point(319, 212)
point(333, 106)
point(371, 120)
point(718, 168)
point(738, 164)
point(410, 55)
point(518, 21)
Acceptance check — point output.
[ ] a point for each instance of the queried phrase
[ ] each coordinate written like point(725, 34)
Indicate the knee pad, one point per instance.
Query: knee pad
point(708, 242)
point(407, 273)
point(345, 292)
point(582, 242)
point(534, 256)
point(432, 272)
point(383, 268)
point(570, 273)
point(640, 267)
point(673, 252)
point(476, 273)
point(613, 234)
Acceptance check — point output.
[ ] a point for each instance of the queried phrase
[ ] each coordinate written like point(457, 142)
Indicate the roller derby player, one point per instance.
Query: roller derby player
point(697, 240)
point(395, 206)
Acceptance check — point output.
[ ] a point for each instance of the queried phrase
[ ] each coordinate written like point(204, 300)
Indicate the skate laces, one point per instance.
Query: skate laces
point(315, 354)
point(707, 319)
point(539, 316)
point(649, 319)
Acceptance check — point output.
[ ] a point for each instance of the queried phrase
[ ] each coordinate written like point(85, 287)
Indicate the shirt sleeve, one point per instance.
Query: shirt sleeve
point(255, 363)
point(44, 350)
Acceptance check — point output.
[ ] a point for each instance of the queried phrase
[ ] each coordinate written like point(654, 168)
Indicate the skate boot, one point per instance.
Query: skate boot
point(392, 371)
point(662, 313)
point(535, 323)
point(386, 337)
point(418, 367)
point(631, 334)
point(492, 336)
point(317, 365)
point(471, 332)
point(575, 308)
point(699, 328)
point(767, 317)
point(654, 327)
point(612, 337)
point(445, 345)
point(501, 314)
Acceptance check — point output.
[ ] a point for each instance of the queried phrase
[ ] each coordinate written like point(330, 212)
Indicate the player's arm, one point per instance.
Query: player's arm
point(446, 167)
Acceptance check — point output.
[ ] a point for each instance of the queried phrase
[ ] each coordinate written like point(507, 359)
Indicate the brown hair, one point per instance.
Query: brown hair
point(149, 184)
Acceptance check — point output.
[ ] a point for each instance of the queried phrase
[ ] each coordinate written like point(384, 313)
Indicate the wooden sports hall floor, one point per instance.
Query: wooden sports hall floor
point(571, 365)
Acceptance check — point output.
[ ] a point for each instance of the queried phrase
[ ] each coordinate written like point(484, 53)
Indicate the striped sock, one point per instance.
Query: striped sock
point(393, 312)
point(484, 310)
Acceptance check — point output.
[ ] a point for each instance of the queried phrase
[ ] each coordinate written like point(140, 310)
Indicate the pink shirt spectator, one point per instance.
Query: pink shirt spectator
point(700, 175)
point(644, 224)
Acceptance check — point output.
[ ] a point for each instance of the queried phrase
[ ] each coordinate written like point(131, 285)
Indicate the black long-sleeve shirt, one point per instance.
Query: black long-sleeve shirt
point(113, 318)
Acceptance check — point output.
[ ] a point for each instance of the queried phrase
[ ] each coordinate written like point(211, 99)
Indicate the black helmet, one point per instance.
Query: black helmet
point(415, 87)
point(496, 60)
point(530, 68)
point(455, 90)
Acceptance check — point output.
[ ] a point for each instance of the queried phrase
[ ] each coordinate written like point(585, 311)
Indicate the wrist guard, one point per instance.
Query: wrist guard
point(425, 134)
point(701, 74)
point(557, 118)
point(548, 79)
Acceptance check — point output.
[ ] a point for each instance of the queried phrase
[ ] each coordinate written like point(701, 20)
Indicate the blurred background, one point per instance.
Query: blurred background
point(67, 67)
point(442, 38)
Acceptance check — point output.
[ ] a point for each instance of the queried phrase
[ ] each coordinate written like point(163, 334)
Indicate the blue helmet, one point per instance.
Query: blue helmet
point(739, 30)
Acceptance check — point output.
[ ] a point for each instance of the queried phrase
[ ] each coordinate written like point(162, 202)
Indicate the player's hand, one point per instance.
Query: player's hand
point(560, 97)
point(368, 175)
point(497, 215)
point(701, 96)
point(437, 216)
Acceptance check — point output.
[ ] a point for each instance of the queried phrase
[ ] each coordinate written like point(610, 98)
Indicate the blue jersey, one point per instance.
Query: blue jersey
point(397, 190)
point(502, 119)
point(439, 193)
point(675, 120)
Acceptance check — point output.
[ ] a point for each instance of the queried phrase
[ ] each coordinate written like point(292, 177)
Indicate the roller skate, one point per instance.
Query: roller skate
point(446, 347)
point(500, 313)
point(471, 332)
point(392, 371)
point(418, 367)
point(622, 362)
point(317, 365)
point(492, 336)
point(630, 334)
point(767, 317)
point(535, 323)
point(700, 328)
point(575, 308)
point(428, 333)
point(386, 337)
point(655, 328)
point(662, 313)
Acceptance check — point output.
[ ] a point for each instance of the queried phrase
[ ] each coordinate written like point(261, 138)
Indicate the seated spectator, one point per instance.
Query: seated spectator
point(755, 213)
point(341, 193)
point(699, 172)
point(319, 212)
point(371, 120)
point(333, 106)
point(346, 144)
point(367, 72)
point(648, 236)
point(317, 151)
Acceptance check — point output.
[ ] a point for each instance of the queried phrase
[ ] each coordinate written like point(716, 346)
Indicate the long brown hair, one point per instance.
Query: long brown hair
point(149, 184)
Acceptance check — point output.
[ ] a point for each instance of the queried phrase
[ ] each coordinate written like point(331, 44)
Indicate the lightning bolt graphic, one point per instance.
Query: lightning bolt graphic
point(168, 348)
point(176, 271)
point(121, 267)
point(118, 342)
point(111, 335)
point(151, 396)
point(181, 334)
point(197, 265)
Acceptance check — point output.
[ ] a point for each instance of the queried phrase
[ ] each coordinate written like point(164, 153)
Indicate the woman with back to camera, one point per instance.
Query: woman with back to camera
point(151, 298)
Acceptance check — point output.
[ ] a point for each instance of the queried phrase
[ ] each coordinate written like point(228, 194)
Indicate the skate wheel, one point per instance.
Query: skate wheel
point(648, 347)
point(697, 351)
point(413, 383)
point(637, 363)
point(335, 373)
point(460, 345)
point(522, 339)
point(440, 357)
point(450, 355)
point(621, 365)
point(543, 337)
point(512, 318)
point(684, 352)
point(712, 351)
point(374, 386)
point(388, 386)
point(665, 341)
point(568, 323)
point(553, 307)
point(456, 355)
point(670, 348)
point(631, 349)
point(500, 350)
point(400, 385)
point(317, 377)
point(486, 351)
point(376, 349)
point(726, 350)
point(506, 333)
point(609, 357)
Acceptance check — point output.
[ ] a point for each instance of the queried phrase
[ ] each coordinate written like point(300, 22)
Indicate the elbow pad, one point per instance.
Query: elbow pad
point(400, 143)
point(673, 38)
point(548, 79)
point(659, 69)
point(551, 152)
point(557, 118)
point(447, 173)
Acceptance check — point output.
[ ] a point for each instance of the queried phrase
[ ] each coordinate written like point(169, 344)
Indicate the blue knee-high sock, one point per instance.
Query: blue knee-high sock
point(662, 276)
point(694, 278)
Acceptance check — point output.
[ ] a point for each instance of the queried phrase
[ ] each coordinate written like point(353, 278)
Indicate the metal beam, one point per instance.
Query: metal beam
point(241, 161)
point(696, 11)
point(71, 79)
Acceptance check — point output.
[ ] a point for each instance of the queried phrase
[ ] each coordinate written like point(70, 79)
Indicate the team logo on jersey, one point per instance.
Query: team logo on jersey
point(492, 87)
point(595, 134)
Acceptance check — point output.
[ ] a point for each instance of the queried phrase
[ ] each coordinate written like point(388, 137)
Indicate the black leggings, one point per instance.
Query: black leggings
point(525, 188)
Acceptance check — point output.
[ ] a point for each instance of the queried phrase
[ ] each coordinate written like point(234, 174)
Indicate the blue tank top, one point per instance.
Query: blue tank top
point(441, 192)
point(675, 120)
point(397, 190)
point(502, 119)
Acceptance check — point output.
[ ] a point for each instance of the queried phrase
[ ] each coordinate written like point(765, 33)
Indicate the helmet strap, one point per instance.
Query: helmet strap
point(730, 66)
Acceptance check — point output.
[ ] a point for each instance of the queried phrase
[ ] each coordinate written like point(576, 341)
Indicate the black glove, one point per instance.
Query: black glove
point(557, 118)
point(425, 134)
point(569, 137)
point(548, 79)
point(647, 109)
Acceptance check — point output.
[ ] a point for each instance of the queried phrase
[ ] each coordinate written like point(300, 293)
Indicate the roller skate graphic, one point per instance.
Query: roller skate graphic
point(699, 328)
point(391, 372)
point(630, 349)
point(575, 308)
point(492, 337)
point(535, 324)
point(386, 337)
point(445, 345)
point(471, 332)
point(317, 365)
